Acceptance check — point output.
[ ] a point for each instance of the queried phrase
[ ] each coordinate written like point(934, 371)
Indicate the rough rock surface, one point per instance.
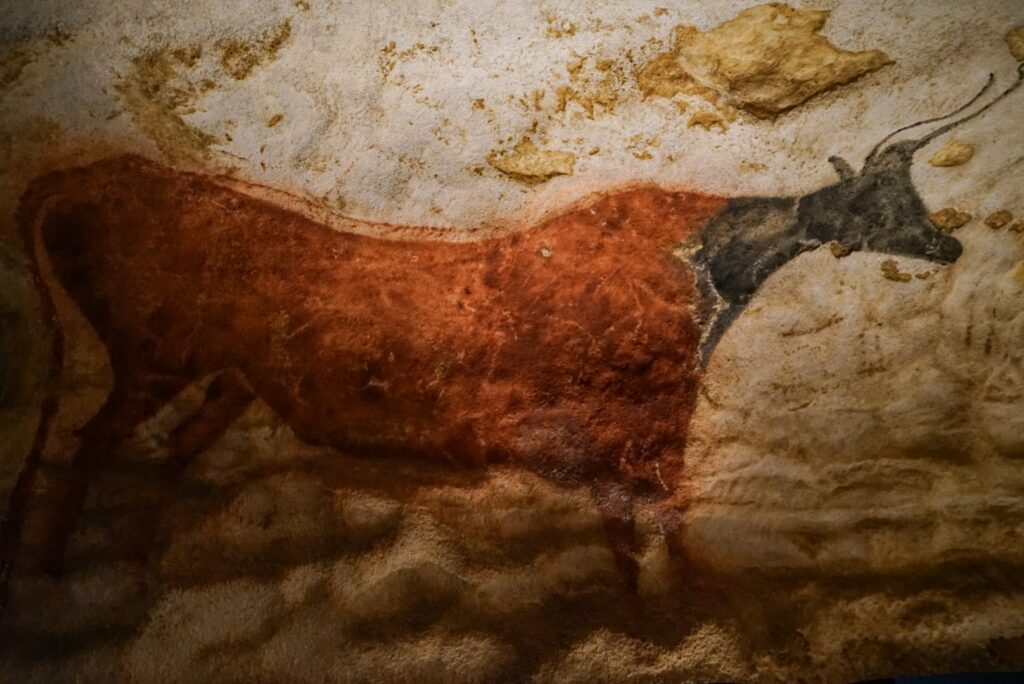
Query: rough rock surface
point(852, 494)
point(768, 59)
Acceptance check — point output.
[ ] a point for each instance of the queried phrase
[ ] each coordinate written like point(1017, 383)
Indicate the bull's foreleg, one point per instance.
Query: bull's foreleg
point(615, 504)
point(227, 398)
point(716, 330)
point(58, 505)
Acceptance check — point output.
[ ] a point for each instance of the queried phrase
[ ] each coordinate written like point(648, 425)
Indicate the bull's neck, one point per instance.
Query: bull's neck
point(736, 280)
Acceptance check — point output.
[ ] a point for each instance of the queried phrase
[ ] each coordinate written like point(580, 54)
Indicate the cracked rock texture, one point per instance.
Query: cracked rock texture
point(853, 491)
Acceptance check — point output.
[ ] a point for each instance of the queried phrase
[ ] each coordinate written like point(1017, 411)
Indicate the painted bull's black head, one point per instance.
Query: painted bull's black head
point(877, 210)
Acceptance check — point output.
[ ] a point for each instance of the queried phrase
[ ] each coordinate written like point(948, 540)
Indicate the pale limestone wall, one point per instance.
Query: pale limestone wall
point(394, 133)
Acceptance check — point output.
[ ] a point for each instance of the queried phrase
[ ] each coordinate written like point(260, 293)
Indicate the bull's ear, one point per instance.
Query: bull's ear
point(842, 167)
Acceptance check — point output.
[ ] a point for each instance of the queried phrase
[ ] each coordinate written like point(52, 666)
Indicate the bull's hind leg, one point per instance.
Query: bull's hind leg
point(227, 398)
point(133, 399)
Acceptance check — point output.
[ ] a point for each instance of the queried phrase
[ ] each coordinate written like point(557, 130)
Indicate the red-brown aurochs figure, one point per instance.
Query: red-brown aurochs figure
point(568, 348)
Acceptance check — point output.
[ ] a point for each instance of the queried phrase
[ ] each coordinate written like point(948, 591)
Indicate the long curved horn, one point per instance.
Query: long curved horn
point(953, 124)
point(874, 151)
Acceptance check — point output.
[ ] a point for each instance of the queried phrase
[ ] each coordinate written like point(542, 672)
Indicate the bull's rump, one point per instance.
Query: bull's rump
point(565, 345)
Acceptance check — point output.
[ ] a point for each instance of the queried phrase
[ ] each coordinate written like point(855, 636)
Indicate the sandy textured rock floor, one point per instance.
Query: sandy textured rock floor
point(854, 494)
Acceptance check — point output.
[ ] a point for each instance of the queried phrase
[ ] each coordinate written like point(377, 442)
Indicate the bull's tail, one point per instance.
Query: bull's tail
point(29, 217)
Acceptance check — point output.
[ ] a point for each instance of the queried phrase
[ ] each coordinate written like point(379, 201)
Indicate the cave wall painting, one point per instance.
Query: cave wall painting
point(573, 348)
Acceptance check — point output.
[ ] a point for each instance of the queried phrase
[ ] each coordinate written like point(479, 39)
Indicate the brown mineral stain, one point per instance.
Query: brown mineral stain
point(594, 89)
point(389, 56)
point(839, 250)
point(949, 218)
point(386, 58)
point(1015, 41)
point(891, 271)
point(538, 99)
point(188, 56)
point(15, 55)
point(1019, 274)
point(528, 164)
point(563, 95)
point(1017, 227)
point(58, 36)
point(768, 59)
point(953, 153)
point(274, 120)
point(998, 219)
point(159, 91)
point(639, 146)
point(606, 97)
point(12, 63)
point(706, 120)
point(156, 95)
point(559, 28)
point(239, 58)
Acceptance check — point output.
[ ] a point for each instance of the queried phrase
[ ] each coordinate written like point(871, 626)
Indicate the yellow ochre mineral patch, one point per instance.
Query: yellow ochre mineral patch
point(706, 120)
point(239, 58)
point(528, 164)
point(768, 59)
point(949, 218)
point(1015, 40)
point(891, 271)
point(953, 153)
point(156, 95)
point(998, 219)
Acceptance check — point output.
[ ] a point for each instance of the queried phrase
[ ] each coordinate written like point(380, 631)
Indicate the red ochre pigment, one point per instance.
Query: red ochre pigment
point(569, 348)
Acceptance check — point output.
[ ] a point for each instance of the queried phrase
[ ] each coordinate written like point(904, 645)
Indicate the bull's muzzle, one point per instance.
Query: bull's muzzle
point(945, 249)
